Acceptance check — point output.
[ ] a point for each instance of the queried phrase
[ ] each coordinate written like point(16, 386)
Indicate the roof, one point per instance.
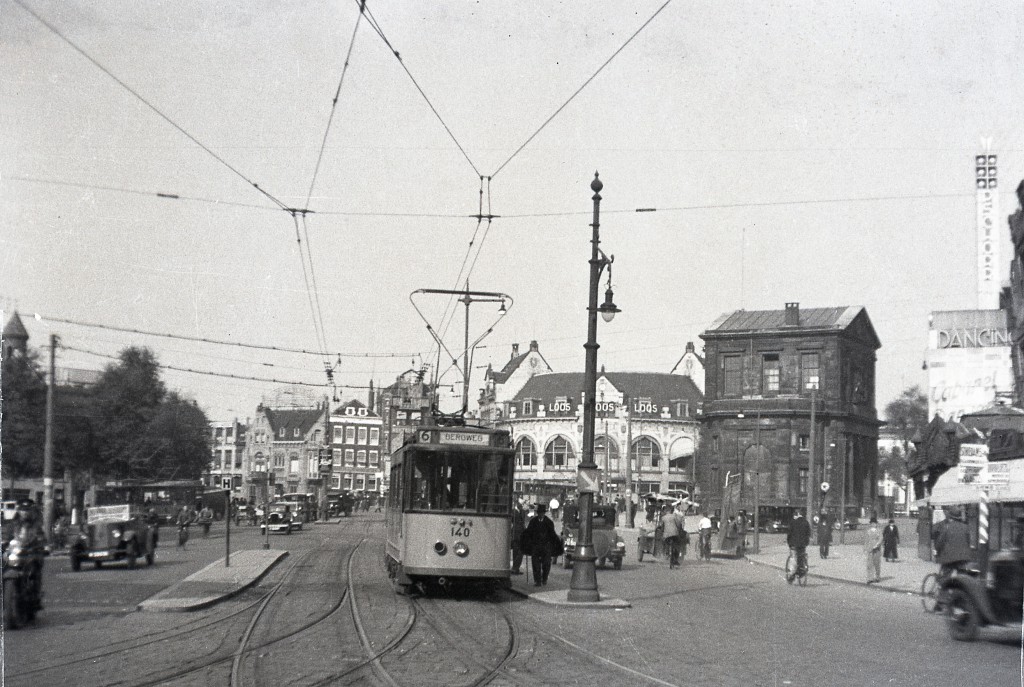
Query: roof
point(658, 386)
point(837, 318)
point(15, 329)
point(303, 418)
point(513, 364)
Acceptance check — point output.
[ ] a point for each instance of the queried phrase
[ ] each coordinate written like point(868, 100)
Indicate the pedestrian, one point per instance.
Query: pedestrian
point(553, 506)
point(824, 534)
point(890, 540)
point(183, 520)
point(798, 538)
point(953, 545)
point(518, 527)
point(873, 551)
point(205, 519)
point(632, 511)
point(540, 543)
point(672, 530)
point(571, 513)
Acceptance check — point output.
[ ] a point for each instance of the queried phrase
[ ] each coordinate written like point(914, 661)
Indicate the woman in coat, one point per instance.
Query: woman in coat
point(890, 540)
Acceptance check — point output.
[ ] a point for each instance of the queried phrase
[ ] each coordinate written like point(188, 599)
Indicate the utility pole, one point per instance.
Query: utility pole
point(810, 455)
point(48, 445)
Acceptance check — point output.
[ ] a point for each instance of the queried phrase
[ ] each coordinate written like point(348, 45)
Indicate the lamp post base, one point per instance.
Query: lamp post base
point(583, 585)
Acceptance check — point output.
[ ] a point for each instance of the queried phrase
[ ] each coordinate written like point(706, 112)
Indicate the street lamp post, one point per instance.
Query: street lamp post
point(583, 585)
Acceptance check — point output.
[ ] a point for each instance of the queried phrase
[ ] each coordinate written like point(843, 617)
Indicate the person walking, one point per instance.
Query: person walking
point(824, 534)
point(873, 551)
point(518, 527)
point(704, 527)
point(798, 538)
point(890, 541)
point(672, 530)
point(540, 543)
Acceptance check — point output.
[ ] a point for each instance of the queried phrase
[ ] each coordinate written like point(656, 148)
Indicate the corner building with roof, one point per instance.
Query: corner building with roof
point(761, 366)
point(651, 417)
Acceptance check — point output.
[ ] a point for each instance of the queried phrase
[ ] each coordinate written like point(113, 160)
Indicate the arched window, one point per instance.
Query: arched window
point(646, 453)
point(526, 453)
point(558, 454)
point(606, 447)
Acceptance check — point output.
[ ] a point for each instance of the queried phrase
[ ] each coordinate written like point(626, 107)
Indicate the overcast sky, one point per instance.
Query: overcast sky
point(817, 152)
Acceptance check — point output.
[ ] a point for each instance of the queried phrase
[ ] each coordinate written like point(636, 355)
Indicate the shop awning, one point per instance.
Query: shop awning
point(949, 491)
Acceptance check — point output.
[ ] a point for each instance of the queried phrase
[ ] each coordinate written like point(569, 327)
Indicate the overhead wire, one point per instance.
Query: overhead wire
point(148, 104)
point(372, 21)
point(578, 90)
point(158, 194)
point(181, 337)
point(334, 103)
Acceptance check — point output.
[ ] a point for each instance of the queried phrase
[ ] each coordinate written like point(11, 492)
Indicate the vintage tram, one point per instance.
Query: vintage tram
point(449, 508)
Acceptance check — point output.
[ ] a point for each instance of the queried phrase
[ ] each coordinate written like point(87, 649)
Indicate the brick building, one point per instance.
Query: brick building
point(761, 367)
point(357, 442)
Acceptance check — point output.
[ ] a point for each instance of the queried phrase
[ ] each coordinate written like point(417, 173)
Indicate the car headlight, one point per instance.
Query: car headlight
point(116, 534)
point(13, 553)
point(460, 549)
point(620, 545)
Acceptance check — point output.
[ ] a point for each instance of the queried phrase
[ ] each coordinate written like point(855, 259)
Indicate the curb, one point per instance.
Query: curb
point(843, 580)
point(162, 603)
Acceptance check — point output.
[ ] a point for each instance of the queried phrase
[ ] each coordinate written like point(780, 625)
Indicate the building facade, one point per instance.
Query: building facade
point(651, 417)
point(226, 470)
point(357, 447)
point(767, 373)
point(281, 453)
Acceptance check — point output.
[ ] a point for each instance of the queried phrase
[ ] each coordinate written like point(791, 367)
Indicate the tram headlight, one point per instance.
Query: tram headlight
point(440, 548)
point(461, 549)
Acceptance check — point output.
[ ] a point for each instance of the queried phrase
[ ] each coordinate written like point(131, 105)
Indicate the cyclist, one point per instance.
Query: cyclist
point(704, 536)
point(953, 545)
point(798, 538)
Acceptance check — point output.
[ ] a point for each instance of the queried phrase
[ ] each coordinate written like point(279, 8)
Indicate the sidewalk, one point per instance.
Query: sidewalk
point(846, 563)
point(216, 582)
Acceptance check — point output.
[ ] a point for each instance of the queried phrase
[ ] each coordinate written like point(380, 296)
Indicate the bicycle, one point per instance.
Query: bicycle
point(796, 569)
point(931, 591)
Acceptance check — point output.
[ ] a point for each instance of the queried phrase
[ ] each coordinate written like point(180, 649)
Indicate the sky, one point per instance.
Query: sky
point(151, 155)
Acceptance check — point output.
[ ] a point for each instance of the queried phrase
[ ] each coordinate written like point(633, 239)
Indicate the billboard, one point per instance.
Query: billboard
point(968, 361)
point(986, 182)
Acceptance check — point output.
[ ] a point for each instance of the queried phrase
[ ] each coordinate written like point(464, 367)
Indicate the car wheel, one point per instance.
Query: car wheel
point(76, 562)
point(640, 553)
point(150, 557)
point(566, 562)
point(132, 556)
point(13, 616)
point(962, 616)
point(601, 562)
point(618, 564)
point(98, 564)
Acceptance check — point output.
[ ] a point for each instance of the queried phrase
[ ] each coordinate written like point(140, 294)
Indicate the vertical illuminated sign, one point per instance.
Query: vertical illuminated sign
point(988, 237)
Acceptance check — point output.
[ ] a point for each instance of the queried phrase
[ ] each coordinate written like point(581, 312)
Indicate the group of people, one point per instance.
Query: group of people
point(878, 542)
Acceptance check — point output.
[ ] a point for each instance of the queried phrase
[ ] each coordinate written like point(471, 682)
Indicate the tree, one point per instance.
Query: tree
point(907, 414)
point(23, 417)
point(177, 444)
point(127, 398)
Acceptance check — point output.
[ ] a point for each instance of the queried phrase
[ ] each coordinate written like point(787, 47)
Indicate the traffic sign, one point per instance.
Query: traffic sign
point(588, 480)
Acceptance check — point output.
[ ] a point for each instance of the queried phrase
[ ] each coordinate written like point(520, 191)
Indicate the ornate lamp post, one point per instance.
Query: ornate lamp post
point(583, 585)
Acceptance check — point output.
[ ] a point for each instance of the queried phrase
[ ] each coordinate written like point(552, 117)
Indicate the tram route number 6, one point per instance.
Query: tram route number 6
point(462, 530)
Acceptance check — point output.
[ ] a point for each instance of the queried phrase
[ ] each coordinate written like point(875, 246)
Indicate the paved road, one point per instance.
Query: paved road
point(723, 622)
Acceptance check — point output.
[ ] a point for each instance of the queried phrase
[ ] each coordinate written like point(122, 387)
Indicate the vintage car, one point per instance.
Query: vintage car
point(114, 533)
point(280, 519)
point(608, 545)
point(973, 602)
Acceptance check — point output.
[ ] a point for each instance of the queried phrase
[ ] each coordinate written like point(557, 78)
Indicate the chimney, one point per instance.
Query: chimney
point(689, 347)
point(792, 315)
point(515, 350)
point(534, 346)
point(370, 399)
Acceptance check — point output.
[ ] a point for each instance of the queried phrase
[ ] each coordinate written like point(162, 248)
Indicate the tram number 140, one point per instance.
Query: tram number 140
point(462, 530)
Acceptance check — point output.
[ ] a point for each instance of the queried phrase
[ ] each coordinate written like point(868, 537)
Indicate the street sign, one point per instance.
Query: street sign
point(588, 480)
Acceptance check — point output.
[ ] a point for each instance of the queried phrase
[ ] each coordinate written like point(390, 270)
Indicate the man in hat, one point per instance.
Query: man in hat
point(540, 543)
point(953, 545)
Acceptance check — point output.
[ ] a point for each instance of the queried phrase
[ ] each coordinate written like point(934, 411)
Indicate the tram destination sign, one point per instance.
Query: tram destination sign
point(463, 438)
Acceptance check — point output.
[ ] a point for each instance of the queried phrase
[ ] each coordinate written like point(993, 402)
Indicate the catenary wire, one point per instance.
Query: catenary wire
point(372, 21)
point(216, 374)
point(334, 103)
point(157, 194)
point(309, 293)
point(319, 314)
point(279, 349)
point(585, 83)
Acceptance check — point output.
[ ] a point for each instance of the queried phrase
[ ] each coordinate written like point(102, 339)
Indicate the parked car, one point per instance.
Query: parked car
point(112, 534)
point(280, 519)
point(10, 508)
point(849, 523)
point(608, 545)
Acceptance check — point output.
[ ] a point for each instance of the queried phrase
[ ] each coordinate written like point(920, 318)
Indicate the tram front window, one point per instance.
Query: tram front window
point(445, 481)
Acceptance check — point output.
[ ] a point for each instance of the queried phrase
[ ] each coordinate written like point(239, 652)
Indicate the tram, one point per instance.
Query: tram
point(449, 508)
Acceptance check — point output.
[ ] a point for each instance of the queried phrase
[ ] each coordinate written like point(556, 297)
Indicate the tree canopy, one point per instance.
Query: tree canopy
point(22, 426)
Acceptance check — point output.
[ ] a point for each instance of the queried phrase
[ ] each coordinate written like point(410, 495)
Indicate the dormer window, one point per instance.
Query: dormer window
point(280, 433)
point(527, 407)
point(295, 432)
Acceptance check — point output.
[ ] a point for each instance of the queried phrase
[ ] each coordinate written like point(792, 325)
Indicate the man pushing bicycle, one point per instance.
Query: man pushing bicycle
point(798, 538)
